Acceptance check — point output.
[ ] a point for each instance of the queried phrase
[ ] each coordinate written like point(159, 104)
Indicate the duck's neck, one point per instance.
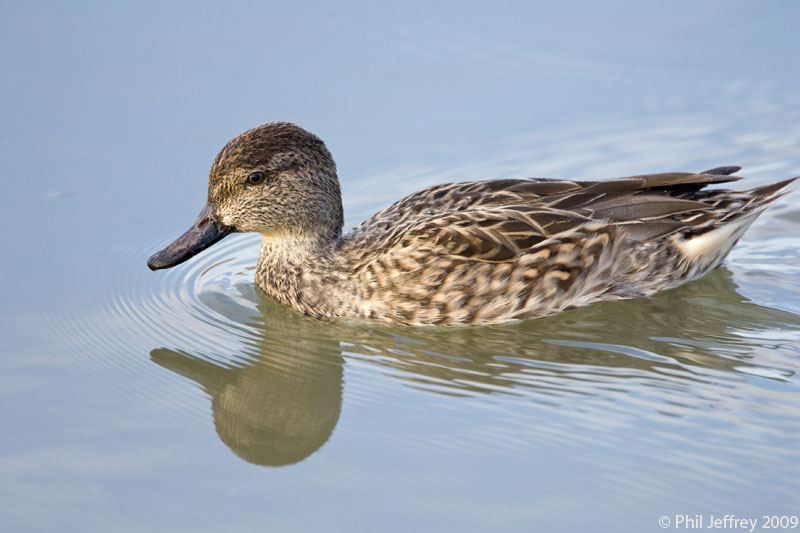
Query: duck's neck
point(287, 263)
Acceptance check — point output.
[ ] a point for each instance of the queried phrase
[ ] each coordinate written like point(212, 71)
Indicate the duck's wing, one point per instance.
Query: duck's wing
point(505, 233)
point(561, 194)
point(490, 235)
point(501, 219)
point(455, 197)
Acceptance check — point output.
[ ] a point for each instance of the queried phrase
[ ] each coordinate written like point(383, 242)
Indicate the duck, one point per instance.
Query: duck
point(464, 253)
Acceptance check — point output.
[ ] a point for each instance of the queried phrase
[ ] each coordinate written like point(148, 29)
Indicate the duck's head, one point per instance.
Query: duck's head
point(277, 179)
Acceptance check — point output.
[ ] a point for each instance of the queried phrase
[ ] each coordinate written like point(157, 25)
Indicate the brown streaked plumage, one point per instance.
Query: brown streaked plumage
point(462, 253)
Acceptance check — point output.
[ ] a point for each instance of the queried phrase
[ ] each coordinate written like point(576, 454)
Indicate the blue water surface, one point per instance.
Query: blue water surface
point(186, 400)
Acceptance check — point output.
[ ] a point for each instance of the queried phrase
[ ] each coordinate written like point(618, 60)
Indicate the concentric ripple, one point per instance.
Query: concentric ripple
point(210, 301)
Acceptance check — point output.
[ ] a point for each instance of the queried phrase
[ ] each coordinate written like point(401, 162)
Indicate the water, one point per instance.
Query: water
point(186, 400)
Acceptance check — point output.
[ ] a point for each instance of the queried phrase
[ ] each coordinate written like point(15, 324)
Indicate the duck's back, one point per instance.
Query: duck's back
point(491, 251)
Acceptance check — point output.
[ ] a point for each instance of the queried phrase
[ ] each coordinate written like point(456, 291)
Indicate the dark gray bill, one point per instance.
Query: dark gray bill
point(206, 231)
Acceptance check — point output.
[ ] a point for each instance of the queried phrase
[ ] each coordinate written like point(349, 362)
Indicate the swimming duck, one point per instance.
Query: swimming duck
point(462, 253)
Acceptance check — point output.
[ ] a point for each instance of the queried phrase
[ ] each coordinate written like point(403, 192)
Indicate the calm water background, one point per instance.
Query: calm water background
point(186, 401)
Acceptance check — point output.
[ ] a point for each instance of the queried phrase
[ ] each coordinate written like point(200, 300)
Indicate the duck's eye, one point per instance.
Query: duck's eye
point(255, 178)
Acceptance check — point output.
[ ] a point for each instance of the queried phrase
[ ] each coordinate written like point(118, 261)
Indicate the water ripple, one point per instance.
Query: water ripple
point(702, 359)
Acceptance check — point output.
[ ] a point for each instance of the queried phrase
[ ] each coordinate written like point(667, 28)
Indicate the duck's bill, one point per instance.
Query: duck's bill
point(205, 231)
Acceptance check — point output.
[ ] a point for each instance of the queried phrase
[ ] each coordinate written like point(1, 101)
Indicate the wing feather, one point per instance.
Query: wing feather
point(498, 220)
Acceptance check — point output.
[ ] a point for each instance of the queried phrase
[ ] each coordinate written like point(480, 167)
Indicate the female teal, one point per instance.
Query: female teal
point(462, 253)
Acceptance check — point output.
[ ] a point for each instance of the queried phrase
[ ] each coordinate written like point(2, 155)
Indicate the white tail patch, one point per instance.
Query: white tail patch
point(715, 244)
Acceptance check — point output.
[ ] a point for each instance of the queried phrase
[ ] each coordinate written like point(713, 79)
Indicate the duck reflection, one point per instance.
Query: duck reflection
point(279, 407)
point(284, 404)
point(675, 335)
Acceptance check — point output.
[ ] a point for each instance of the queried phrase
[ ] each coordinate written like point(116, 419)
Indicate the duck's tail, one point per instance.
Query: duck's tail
point(733, 212)
point(761, 197)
